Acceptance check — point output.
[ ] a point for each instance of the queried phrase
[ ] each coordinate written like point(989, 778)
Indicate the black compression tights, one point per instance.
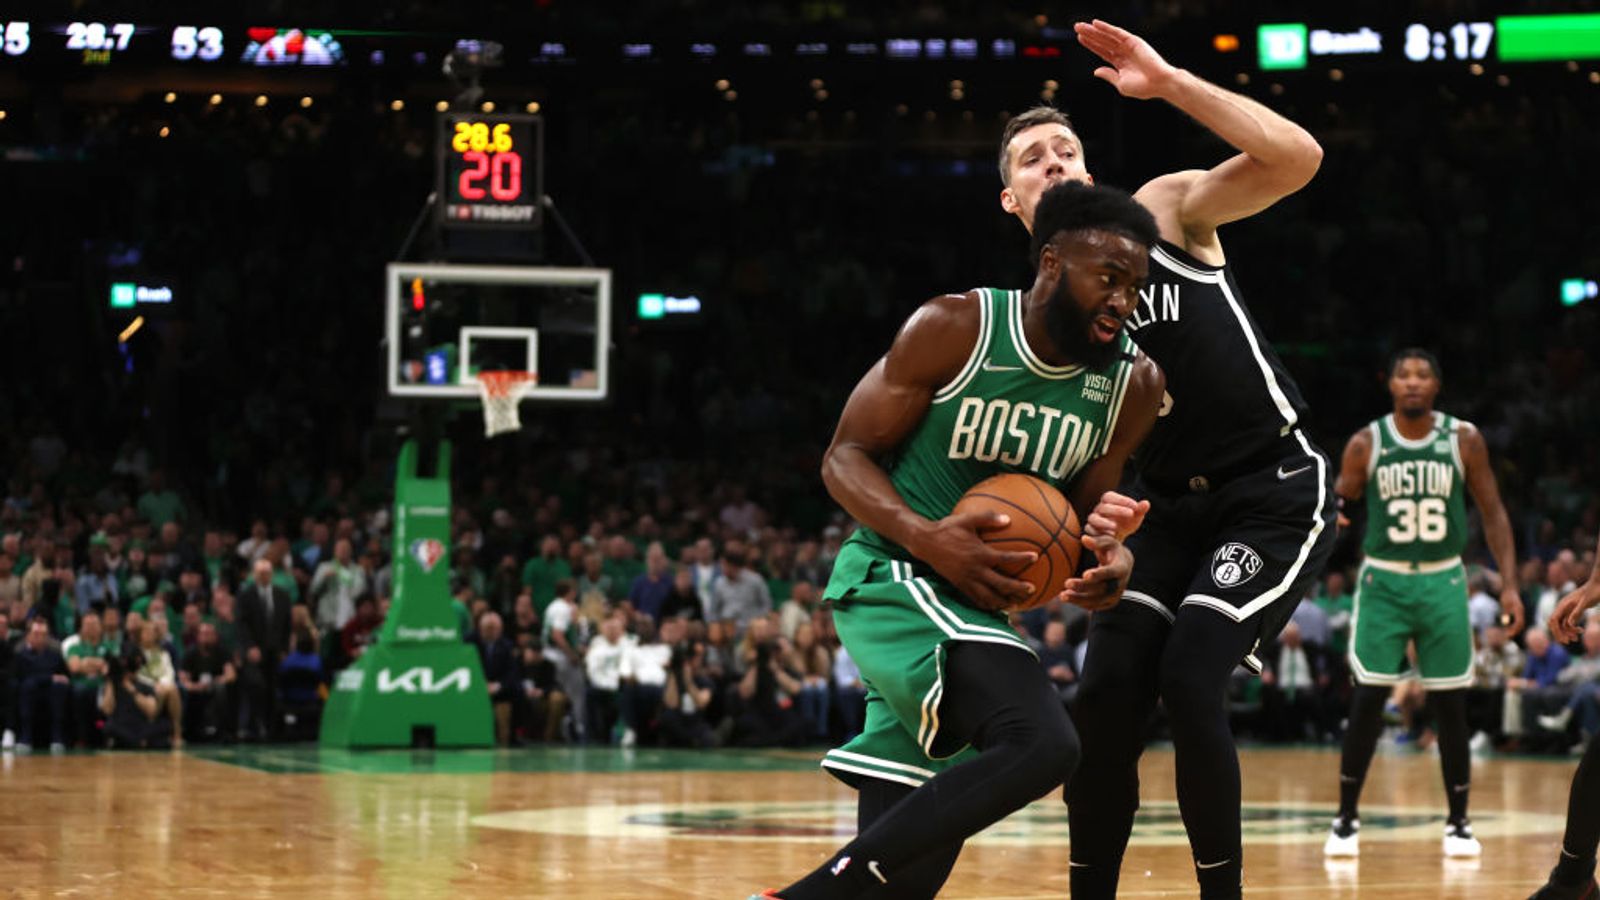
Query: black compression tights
point(1133, 657)
point(998, 699)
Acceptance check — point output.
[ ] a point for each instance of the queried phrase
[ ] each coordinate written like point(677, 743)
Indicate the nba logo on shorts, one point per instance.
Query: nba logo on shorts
point(1234, 564)
point(428, 552)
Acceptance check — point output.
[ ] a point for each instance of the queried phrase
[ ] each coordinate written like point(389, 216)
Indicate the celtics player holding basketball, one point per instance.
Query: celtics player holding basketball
point(963, 727)
point(1411, 469)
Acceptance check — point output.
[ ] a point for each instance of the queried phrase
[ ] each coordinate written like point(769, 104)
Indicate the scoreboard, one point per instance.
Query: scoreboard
point(490, 170)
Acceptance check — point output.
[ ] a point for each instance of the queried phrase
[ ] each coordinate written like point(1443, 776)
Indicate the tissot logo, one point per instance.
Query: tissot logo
point(419, 680)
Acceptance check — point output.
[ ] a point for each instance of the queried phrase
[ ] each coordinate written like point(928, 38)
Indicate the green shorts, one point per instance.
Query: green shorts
point(1393, 609)
point(897, 619)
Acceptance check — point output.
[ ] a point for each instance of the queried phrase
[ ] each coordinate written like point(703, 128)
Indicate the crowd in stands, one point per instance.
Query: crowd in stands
point(674, 620)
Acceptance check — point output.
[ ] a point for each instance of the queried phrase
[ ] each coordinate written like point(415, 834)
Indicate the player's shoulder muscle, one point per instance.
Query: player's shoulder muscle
point(933, 345)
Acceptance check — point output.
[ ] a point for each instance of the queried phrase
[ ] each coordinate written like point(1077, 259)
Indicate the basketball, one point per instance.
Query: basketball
point(1041, 520)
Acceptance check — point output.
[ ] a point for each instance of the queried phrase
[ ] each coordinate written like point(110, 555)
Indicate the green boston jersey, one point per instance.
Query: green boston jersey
point(1416, 511)
point(1007, 411)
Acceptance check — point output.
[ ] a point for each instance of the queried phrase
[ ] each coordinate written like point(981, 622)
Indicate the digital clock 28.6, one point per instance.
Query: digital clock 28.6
point(489, 168)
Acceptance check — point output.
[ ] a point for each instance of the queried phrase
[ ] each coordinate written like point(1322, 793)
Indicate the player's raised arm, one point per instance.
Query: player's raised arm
point(1112, 516)
point(1496, 524)
point(1276, 156)
point(883, 410)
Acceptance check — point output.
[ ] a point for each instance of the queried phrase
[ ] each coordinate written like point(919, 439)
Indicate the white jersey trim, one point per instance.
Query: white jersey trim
point(1274, 390)
point(980, 349)
point(1147, 600)
point(1020, 341)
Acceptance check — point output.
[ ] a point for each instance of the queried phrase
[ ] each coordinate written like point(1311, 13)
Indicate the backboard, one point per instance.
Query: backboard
point(445, 323)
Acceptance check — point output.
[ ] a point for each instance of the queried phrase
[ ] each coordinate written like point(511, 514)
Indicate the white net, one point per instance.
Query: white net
point(502, 392)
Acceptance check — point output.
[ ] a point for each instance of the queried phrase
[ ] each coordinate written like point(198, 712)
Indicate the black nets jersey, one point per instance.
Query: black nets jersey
point(1229, 402)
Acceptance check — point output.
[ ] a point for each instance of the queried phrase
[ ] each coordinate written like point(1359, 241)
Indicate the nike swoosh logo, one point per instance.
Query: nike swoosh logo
point(1283, 476)
point(1201, 865)
point(872, 866)
point(989, 366)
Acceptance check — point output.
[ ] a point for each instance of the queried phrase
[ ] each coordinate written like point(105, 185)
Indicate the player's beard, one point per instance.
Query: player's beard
point(1068, 328)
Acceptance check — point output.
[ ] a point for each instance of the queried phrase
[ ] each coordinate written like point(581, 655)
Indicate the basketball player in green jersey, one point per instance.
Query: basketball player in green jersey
point(1409, 469)
point(1573, 876)
point(963, 726)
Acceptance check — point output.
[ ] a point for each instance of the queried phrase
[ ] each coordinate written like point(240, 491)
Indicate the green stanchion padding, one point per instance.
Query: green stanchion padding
point(420, 673)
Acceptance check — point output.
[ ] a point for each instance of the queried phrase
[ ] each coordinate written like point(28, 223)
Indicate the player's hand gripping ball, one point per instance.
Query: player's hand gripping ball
point(1042, 521)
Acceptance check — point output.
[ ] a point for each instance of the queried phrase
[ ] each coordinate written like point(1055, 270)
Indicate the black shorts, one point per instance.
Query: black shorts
point(1248, 548)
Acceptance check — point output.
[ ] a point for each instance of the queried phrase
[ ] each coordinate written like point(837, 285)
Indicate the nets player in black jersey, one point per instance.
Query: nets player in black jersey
point(1242, 508)
point(1573, 876)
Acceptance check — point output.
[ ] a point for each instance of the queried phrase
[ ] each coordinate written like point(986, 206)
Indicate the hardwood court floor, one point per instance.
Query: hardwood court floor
point(601, 823)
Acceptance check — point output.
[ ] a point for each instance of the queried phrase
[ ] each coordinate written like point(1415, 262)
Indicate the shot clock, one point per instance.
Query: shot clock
point(490, 170)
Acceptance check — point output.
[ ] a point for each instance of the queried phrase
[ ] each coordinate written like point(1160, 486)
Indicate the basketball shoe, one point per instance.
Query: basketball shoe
point(1459, 842)
point(1344, 839)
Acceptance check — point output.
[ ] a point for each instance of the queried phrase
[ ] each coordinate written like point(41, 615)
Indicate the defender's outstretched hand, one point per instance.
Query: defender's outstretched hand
point(1135, 69)
point(1101, 587)
point(1117, 514)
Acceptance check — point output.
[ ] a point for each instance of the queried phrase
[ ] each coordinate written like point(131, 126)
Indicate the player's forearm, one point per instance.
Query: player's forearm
point(863, 488)
point(1263, 135)
point(1497, 533)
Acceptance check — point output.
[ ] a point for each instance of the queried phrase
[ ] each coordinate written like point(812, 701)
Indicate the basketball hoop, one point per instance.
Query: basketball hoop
point(502, 391)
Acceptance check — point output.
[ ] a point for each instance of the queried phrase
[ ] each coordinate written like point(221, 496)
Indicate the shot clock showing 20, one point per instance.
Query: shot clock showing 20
point(489, 170)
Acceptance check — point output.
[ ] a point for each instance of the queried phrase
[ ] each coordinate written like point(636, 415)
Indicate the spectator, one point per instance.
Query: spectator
point(644, 676)
point(682, 602)
point(159, 505)
point(740, 595)
point(811, 659)
point(361, 630)
point(1557, 584)
point(768, 717)
point(650, 588)
point(300, 683)
point(603, 665)
point(134, 717)
point(798, 608)
point(740, 516)
point(86, 654)
point(547, 702)
point(209, 681)
point(1483, 610)
point(96, 585)
point(565, 641)
point(1291, 688)
point(335, 587)
point(1581, 679)
point(1059, 660)
point(255, 546)
point(1494, 666)
point(703, 563)
point(161, 676)
point(136, 579)
point(524, 627)
point(543, 571)
point(1335, 600)
point(594, 584)
point(686, 697)
point(501, 672)
point(264, 637)
point(40, 675)
point(622, 567)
